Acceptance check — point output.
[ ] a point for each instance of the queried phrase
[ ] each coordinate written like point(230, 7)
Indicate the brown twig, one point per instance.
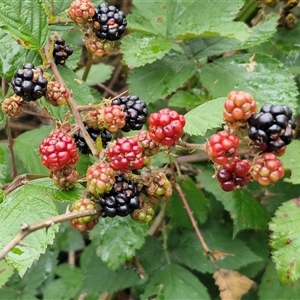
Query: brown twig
point(72, 104)
point(26, 229)
point(191, 216)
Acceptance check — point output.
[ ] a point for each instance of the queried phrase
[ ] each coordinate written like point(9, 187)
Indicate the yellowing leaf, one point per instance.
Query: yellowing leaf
point(232, 284)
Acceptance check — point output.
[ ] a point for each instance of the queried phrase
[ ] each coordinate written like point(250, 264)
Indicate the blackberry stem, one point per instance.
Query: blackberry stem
point(26, 229)
point(72, 104)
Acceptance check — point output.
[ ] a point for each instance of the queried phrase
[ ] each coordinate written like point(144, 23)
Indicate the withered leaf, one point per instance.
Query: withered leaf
point(232, 284)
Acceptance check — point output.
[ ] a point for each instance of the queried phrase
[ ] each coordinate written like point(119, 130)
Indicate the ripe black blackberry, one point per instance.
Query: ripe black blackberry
point(81, 144)
point(135, 109)
point(122, 199)
point(272, 128)
point(109, 23)
point(29, 83)
point(61, 51)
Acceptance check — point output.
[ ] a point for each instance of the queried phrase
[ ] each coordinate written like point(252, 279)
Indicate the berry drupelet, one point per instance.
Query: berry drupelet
point(29, 83)
point(109, 22)
point(135, 109)
point(122, 199)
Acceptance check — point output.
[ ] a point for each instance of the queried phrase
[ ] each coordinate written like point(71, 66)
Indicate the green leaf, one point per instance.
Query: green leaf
point(184, 99)
point(186, 248)
point(271, 288)
point(3, 168)
point(69, 239)
point(79, 88)
point(72, 61)
point(175, 282)
point(60, 6)
point(67, 286)
point(261, 32)
point(30, 141)
point(111, 281)
point(287, 40)
point(13, 56)
point(52, 191)
point(6, 272)
point(98, 73)
point(56, 112)
point(27, 204)
point(197, 202)
point(285, 241)
point(264, 77)
point(163, 77)
point(25, 21)
point(290, 161)
point(204, 117)
point(147, 48)
point(117, 239)
point(245, 211)
point(182, 20)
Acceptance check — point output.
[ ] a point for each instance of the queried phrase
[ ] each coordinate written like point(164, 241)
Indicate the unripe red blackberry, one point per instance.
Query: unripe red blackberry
point(65, 178)
point(12, 106)
point(166, 126)
point(58, 150)
point(125, 155)
point(267, 169)
point(81, 11)
point(100, 179)
point(135, 109)
point(108, 22)
point(114, 118)
point(122, 199)
point(143, 214)
point(57, 94)
point(239, 106)
point(272, 128)
point(222, 147)
point(61, 51)
point(84, 223)
point(234, 175)
point(29, 83)
point(104, 136)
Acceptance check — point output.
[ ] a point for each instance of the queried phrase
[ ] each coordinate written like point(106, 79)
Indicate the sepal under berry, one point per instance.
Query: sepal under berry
point(86, 223)
point(65, 178)
point(12, 106)
point(144, 214)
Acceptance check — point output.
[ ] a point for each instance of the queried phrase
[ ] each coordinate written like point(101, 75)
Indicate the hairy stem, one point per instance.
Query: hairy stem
point(26, 229)
point(72, 104)
point(191, 216)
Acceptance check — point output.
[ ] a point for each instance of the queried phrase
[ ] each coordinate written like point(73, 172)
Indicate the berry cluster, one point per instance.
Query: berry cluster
point(29, 83)
point(267, 132)
point(108, 22)
point(61, 51)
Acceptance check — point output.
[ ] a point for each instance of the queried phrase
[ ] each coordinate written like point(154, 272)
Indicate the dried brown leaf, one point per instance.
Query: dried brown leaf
point(232, 284)
point(220, 255)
